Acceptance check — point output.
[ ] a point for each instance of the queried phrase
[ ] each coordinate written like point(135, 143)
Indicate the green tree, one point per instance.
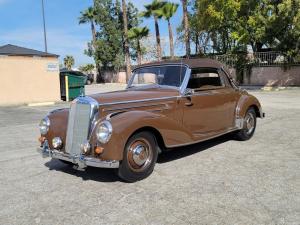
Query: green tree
point(168, 11)
point(154, 10)
point(108, 49)
point(88, 68)
point(217, 18)
point(109, 45)
point(88, 16)
point(69, 62)
point(137, 34)
point(232, 25)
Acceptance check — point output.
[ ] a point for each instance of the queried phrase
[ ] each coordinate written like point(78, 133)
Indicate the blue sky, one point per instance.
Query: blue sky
point(21, 24)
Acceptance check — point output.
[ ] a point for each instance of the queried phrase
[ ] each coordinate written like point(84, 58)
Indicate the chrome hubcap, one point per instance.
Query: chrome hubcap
point(139, 155)
point(250, 123)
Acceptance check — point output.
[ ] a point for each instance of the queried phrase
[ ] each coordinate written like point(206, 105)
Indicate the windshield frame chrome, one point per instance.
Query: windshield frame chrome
point(181, 88)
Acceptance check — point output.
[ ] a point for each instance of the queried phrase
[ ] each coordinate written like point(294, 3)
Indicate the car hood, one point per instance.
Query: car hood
point(129, 95)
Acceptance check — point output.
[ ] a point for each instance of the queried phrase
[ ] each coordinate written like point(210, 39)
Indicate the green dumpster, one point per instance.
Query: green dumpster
point(72, 85)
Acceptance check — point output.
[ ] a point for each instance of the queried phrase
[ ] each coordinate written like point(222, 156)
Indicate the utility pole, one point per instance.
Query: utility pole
point(44, 23)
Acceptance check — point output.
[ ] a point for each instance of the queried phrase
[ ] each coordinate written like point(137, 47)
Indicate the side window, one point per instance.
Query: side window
point(225, 79)
point(205, 79)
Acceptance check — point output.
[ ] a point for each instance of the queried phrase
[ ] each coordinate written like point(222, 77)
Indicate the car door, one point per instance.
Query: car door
point(208, 109)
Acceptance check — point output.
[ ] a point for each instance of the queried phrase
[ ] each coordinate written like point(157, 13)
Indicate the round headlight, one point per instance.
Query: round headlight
point(44, 126)
point(104, 131)
point(57, 142)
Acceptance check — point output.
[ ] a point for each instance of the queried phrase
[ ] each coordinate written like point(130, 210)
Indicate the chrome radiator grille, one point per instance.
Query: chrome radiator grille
point(78, 126)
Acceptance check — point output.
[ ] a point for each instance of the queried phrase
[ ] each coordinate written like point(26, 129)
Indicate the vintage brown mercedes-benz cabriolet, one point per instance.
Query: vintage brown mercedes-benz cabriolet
point(165, 105)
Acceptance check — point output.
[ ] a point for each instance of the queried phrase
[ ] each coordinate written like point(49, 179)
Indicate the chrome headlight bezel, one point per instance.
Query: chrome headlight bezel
point(104, 132)
point(44, 125)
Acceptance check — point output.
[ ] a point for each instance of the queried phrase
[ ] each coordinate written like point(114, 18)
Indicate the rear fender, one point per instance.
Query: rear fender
point(245, 102)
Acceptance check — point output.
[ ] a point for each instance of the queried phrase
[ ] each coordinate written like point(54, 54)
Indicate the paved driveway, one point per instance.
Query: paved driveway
point(217, 182)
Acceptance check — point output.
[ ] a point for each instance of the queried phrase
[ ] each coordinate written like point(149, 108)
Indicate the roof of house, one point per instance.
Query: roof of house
point(192, 63)
point(13, 50)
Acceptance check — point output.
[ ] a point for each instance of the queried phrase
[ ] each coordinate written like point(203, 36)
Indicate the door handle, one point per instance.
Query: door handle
point(189, 104)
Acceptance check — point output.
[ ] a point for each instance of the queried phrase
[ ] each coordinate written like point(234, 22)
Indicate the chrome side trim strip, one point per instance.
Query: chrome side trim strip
point(206, 139)
point(137, 101)
point(163, 105)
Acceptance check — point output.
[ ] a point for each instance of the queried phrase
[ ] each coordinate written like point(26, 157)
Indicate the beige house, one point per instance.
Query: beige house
point(28, 76)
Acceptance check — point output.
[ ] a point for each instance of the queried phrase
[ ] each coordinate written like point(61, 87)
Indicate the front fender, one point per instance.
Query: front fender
point(125, 124)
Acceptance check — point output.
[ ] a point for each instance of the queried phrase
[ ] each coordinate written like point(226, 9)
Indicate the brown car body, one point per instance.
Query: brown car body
point(176, 117)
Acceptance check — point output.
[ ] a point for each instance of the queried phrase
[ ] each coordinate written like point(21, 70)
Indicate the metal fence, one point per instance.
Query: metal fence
point(257, 59)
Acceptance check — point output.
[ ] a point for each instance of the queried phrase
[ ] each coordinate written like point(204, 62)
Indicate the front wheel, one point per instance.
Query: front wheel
point(249, 126)
point(139, 158)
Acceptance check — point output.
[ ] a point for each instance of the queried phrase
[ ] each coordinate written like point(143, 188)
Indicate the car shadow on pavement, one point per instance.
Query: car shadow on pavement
point(91, 173)
point(181, 152)
point(109, 175)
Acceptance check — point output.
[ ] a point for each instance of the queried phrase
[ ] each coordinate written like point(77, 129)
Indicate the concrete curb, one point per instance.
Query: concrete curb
point(40, 104)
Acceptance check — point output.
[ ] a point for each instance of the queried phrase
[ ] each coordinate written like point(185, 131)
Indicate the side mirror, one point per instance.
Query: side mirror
point(188, 92)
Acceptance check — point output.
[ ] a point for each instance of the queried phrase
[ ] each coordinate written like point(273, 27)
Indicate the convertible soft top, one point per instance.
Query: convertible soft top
point(192, 63)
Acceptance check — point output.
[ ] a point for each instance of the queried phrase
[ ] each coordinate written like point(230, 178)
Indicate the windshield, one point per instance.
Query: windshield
point(171, 75)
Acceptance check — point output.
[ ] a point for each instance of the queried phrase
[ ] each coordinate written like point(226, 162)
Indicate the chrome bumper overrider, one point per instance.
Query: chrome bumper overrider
point(81, 160)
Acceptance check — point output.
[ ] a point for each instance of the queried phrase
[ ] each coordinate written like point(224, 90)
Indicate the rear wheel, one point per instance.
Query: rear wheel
point(249, 126)
point(139, 158)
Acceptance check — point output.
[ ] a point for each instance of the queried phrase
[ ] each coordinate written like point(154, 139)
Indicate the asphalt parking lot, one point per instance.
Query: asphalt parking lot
point(221, 181)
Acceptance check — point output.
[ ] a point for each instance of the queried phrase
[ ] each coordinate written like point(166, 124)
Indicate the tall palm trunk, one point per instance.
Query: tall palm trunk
point(126, 45)
point(186, 29)
point(93, 32)
point(158, 45)
point(139, 52)
point(171, 39)
point(98, 67)
point(99, 77)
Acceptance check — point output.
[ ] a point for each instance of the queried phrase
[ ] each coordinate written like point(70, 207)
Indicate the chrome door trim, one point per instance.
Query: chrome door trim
point(185, 81)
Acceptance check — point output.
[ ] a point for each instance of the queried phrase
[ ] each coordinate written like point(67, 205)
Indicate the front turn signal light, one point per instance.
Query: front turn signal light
point(99, 150)
point(42, 139)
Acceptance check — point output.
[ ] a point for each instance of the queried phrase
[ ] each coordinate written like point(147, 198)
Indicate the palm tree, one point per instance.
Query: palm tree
point(153, 10)
point(69, 62)
point(168, 12)
point(186, 28)
point(88, 16)
point(126, 44)
point(138, 33)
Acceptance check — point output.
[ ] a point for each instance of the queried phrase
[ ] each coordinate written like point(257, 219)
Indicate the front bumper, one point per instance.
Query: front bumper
point(81, 161)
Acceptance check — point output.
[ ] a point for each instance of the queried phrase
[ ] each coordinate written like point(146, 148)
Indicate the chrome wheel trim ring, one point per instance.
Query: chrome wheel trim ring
point(249, 123)
point(139, 155)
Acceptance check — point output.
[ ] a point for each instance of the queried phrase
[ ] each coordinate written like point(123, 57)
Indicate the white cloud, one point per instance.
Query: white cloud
point(60, 41)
